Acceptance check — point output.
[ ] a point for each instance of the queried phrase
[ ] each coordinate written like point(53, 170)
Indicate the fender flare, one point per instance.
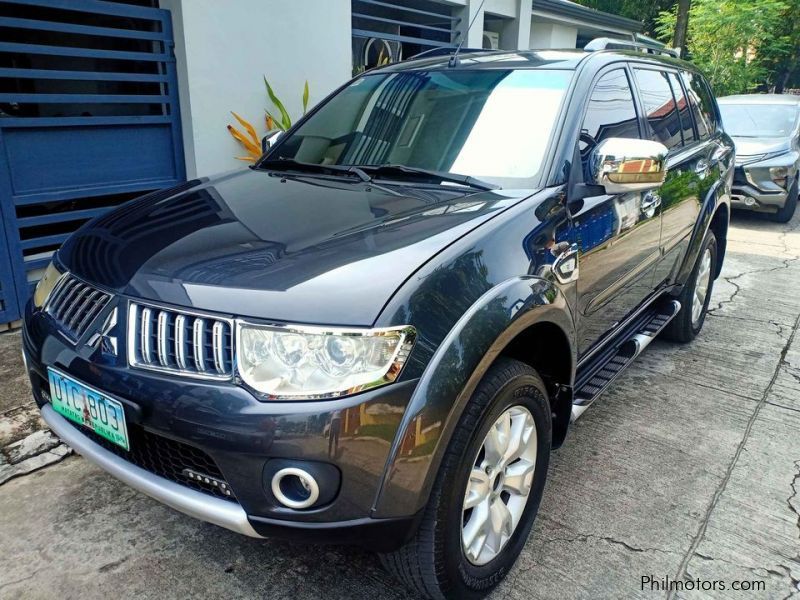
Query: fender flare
point(454, 372)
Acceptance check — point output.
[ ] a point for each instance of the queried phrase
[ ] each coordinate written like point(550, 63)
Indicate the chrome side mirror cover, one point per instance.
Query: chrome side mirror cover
point(268, 141)
point(623, 165)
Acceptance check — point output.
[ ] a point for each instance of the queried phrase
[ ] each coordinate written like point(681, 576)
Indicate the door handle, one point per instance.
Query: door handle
point(702, 167)
point(565, 266)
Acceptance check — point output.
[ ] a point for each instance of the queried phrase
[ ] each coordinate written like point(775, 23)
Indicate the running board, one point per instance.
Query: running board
point(604, 370)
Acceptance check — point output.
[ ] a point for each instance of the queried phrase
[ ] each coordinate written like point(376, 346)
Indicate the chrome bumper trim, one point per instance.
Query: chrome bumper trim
point(188, 501)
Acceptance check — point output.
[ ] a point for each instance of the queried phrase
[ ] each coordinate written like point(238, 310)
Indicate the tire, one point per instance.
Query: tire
point(434, 563)
point(785, 214)
point(685, 327)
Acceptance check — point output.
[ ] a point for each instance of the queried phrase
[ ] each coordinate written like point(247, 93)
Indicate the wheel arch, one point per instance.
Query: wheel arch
point(719, 225)
point(503, 322)
point(715, 212)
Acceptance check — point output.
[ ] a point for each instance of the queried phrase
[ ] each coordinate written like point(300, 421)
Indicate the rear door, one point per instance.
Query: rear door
point(618, 234)
point(670, 121)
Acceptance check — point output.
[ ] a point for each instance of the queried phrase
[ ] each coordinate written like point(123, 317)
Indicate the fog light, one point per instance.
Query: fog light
point(295, 488)
point(749, 201)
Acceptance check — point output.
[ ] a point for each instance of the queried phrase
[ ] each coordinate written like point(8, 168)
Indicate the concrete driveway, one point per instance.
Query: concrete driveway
point(688, 468)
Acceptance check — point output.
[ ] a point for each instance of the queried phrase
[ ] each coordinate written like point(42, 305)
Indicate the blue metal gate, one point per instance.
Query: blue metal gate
point(89, 118)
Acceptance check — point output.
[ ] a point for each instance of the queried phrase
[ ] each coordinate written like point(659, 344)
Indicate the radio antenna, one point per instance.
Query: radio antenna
point(454, 56)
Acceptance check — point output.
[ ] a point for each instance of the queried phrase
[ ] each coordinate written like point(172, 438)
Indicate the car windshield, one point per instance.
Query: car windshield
point(759, 120)
point(493, 125)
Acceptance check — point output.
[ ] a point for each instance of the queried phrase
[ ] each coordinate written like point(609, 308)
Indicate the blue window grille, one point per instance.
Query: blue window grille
point(89, 119)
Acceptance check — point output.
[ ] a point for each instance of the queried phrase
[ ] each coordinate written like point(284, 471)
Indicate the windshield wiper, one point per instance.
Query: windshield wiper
point(425, 175)
point(296, 165)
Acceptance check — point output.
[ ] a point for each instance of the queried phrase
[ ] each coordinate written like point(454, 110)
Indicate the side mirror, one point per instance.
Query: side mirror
point(268, 141)
point(623, 165)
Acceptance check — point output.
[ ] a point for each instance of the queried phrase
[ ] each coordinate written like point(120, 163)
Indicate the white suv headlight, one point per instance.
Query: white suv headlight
point(298, 362)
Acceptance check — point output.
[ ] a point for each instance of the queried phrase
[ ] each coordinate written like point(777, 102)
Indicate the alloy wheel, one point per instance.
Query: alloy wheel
point(499, 485)
point(701, 287)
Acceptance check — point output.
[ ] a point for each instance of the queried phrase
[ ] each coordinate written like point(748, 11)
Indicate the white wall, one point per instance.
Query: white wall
point(224, 48)
point(552, 35)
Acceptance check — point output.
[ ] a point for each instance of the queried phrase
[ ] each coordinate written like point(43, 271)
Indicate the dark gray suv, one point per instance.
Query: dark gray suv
point(379, 332)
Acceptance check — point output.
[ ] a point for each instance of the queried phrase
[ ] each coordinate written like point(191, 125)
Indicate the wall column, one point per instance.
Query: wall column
point(516, 32)
point(468, 13)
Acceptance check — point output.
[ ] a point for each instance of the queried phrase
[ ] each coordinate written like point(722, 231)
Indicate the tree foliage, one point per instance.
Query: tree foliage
point(739, 44)
point(743, 45)
point(645, 12)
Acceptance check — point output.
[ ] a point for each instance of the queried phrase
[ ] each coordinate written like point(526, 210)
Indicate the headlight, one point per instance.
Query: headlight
point(779, 175)
point(315, 362)
point(45, 286)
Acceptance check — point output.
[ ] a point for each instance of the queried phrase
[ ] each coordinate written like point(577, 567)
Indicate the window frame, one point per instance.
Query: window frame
point(703, 83)
point(621, 65)
point(651, 132)
point(693, 122)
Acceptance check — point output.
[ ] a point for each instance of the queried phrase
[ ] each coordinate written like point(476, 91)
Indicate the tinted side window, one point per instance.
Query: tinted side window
point(611, 112)
point(659, 106)
point(703, 105)
point(683, 108)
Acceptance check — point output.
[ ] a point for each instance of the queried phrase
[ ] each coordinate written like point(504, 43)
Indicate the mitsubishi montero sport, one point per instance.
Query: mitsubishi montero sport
point(379, 332)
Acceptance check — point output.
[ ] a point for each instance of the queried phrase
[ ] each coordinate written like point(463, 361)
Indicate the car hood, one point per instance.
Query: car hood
point(755, 146)
point(277, 247)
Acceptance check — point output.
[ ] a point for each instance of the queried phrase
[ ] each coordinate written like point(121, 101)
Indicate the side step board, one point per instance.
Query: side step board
point(607, 366)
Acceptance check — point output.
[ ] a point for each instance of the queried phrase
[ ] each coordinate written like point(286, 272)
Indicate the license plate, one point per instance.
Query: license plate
point(88, 407)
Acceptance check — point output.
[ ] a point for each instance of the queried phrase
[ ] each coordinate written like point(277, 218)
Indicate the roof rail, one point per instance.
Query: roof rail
point(604, 43)
point(444, 50)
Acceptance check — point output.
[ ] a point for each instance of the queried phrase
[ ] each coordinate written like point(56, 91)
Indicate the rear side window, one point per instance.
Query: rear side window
point(611, 112)
point(660, 107)
point(683, 108)
point(702, 104)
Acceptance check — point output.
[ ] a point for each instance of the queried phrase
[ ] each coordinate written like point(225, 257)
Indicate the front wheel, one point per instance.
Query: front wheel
point(696, 295)
point(786, 212)
point(487, 491)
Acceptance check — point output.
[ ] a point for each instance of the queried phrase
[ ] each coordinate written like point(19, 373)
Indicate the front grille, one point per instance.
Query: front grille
point(177, 342)
point(168, 459)
point(75, 305)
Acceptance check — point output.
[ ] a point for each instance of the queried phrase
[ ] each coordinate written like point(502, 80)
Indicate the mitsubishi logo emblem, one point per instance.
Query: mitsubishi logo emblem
point(108, 343)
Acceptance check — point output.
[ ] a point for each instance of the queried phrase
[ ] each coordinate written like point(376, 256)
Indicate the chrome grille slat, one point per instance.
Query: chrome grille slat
point(146, 330)
point(78, 292)
point(81, 312)
point(217, 347)
point(198, 331)
point(162, 338)
point(180, 342)
point(75, 305)
point(69, 292)
point(160, 341)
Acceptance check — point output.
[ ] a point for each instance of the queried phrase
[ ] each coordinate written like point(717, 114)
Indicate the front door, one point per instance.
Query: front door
point(618, 235)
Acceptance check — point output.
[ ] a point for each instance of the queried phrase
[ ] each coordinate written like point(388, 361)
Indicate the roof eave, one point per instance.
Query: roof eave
point(564, 8)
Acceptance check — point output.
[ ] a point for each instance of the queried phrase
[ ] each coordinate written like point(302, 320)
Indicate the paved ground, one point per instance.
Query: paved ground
point(688, 468)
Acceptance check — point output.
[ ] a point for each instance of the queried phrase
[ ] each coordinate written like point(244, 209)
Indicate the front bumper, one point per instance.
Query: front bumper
point(747, 197)
point(753, 189)
point(229, 515)
point(242, 435)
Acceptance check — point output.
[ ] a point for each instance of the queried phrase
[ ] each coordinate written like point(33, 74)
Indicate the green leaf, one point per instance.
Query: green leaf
point(286, 120)
point(278, 124)
point(305, 98)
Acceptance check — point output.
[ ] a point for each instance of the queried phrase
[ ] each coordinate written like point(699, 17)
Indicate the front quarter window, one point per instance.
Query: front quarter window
point(493, 124)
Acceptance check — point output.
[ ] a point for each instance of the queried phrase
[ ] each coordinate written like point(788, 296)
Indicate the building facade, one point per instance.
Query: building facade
point(104, 101)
